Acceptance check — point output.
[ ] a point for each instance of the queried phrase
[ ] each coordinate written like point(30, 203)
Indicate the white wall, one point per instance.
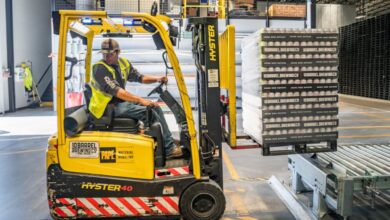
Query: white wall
point(3, 60)
point(341, 15)
point(118, 6)
point(31, 41)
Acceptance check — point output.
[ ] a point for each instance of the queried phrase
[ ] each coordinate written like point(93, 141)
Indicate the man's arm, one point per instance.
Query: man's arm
point(127, 96)
point(111, 86)
point(153, 79)
point(135, 76)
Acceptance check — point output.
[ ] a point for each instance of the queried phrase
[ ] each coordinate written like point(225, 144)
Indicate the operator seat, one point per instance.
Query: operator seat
point(108, 122)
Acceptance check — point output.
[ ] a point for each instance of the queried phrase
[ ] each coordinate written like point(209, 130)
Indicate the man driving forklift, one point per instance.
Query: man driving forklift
point(108, 86)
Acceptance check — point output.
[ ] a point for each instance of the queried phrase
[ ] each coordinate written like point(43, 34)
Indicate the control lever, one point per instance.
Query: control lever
point(148, 117)
point(158, 89)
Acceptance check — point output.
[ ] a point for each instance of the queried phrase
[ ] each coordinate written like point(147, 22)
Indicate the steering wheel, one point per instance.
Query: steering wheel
point(158, 89)
point(73, 61)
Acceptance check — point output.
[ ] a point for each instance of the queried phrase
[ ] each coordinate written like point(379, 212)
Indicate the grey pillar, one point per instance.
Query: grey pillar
point(10, 54)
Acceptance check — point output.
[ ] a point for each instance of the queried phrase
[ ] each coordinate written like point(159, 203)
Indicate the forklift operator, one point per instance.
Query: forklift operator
point(108, 85)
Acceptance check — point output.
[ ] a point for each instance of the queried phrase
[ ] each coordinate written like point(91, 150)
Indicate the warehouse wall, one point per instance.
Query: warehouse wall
point(3, 60)
point(31, 41)
point(341, 15)
point(118, 6)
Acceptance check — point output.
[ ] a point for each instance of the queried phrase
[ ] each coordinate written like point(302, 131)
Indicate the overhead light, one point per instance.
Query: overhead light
point(132, 22)
point(90, 21)
point(127, 22)
point(79, 27)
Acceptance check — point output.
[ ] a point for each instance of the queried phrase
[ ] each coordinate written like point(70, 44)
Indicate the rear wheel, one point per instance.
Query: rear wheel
point(203, 200)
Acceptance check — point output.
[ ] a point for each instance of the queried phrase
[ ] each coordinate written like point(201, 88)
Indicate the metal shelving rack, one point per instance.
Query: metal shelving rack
point(364, 68)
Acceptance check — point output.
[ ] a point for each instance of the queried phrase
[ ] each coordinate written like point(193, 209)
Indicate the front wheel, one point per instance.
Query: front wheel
point(203, 200)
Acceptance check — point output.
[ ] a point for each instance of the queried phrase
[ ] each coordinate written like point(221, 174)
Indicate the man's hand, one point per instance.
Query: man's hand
point(146, 102)
point(162, 79)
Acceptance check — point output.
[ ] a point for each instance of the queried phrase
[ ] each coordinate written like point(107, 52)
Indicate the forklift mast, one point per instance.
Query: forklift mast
point(205, 53)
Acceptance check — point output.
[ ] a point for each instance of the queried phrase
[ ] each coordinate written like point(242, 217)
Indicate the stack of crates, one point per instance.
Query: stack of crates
point(287, 10)
point(372, 8)
point(290, 87)
point(365, 58)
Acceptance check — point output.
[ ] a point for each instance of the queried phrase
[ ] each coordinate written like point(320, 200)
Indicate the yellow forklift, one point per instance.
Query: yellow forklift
point(114, 167)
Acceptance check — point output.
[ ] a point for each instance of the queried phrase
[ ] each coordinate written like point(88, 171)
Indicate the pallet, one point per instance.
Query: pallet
point(316, 145)
point(274, 149)
point(298, 148)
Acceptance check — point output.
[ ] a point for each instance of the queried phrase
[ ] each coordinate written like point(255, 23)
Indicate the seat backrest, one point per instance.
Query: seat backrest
point(106, 120)
point(87, 94)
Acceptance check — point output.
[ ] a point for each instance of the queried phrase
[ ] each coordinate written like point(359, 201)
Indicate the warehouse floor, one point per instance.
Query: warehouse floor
point(23, 137)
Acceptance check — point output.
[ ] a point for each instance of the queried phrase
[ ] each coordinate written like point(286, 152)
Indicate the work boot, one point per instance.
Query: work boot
point(176, 141)
point(175, 153)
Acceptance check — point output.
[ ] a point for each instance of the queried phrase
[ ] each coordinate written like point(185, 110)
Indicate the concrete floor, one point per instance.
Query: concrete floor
point(23, 137)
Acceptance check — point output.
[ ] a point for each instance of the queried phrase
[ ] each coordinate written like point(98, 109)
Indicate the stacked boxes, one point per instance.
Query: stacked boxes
point(290, 85)
point(287, 10)
point(368, 9)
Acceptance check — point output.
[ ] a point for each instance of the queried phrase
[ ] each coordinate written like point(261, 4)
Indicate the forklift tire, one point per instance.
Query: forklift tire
point(202, 200)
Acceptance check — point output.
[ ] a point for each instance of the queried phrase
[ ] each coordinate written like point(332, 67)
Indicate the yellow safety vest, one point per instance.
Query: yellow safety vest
point(100, 99)
point(28, 80)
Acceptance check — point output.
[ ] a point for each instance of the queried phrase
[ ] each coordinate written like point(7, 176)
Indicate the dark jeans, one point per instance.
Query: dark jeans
point(135, 111)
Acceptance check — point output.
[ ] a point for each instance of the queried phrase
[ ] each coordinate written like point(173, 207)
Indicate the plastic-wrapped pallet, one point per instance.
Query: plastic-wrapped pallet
point(289, 89)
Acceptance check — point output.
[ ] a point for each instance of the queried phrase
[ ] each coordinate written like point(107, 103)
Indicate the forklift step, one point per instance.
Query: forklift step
point(46, 104)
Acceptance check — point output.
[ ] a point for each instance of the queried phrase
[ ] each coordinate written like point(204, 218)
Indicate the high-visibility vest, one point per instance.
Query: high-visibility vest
point(100, 99)
point(28, 80)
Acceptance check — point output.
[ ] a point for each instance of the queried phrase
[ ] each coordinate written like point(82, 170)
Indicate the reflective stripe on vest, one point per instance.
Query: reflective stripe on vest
point(100, 99)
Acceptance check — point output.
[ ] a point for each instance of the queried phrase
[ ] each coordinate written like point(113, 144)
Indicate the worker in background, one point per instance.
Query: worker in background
point(108, 85)
point(28, 80)
point(154, 9)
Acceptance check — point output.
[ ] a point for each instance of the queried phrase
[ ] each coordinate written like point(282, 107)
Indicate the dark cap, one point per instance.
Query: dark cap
point(109, 46)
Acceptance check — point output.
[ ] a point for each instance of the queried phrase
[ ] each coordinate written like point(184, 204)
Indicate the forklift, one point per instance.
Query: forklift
point(116, 167)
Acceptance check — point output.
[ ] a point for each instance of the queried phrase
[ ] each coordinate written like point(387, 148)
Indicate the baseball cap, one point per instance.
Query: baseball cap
point(109, 46)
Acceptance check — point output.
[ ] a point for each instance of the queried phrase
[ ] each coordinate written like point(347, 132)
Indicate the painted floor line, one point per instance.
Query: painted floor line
point(364, 136)
point(22, 152)
point(378, 109)
point(235, 197)
point(345, 112)
point(360, 120)
point(247, 218)
point(23, 139)
point(373, 115)
point(240, 207)
point(229, 165)
point(361, 127)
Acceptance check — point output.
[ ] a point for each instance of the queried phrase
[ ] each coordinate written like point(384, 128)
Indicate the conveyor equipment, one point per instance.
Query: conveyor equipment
point(337, 177)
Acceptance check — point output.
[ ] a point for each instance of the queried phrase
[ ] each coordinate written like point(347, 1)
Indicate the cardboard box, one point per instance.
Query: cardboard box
point(285, 10)
point(244, 2)
point(193, 2)
point(192, 12)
